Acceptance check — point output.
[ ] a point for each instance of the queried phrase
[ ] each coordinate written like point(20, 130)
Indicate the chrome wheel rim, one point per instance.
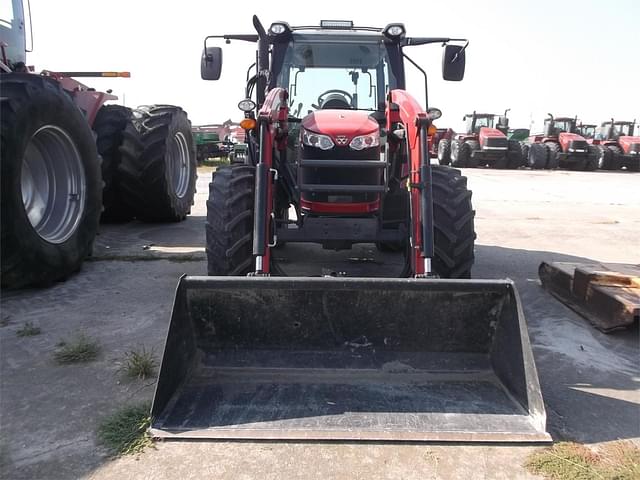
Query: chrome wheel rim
point(53, 184)
point(179, 164)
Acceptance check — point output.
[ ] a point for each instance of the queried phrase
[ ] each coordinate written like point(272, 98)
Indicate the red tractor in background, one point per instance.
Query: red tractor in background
point(434, 147)
point(68, 160)
point(617, 145)
point(560, 145)
point(484, 143)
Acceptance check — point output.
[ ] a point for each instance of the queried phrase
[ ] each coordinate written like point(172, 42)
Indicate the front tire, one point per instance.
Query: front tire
point(51, 182)
point(537, 158)
point(158, 168)
point(229, 229)
point(453, 221)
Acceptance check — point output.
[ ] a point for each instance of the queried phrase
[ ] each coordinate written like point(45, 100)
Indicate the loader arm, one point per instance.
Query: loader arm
point(272, 131)
point(403, 108)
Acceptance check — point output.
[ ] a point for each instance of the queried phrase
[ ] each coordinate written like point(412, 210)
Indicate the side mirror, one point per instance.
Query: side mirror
point(211, 63)
point(453, 61)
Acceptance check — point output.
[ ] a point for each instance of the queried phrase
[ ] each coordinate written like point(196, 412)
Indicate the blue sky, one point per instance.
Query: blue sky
point(565, 57)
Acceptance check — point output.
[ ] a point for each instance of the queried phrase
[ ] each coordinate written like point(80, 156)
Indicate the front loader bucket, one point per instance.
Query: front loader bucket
point(348, 359)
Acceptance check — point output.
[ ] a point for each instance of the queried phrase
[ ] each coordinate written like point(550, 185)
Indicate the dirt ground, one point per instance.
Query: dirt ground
point(590, 381)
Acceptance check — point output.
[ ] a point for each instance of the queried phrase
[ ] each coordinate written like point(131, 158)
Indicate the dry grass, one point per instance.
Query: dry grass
point(572, 461)
point(77, 350)
point(139, 364)
point(28, 330)
point(126, 431)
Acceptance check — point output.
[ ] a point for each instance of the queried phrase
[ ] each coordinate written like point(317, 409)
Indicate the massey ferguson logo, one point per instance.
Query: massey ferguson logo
point(341, 139)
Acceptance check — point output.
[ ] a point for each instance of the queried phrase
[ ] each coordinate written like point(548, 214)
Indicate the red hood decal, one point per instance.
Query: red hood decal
point(346, 123)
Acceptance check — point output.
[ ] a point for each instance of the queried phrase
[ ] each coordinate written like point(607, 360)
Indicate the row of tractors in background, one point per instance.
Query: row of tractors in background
point(488, 141)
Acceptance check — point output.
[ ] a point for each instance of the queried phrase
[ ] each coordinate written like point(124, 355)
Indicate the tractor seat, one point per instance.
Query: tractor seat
point(335, 101)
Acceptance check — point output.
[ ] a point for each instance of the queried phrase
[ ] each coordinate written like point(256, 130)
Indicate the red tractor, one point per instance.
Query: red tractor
point(446, 134)
point(560, 145)
point(252, 353)
point(68, 159)
point(484, 143)
point(617, 145)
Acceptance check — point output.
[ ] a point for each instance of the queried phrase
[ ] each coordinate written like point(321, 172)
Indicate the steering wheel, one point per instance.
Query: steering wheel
point(348, 97)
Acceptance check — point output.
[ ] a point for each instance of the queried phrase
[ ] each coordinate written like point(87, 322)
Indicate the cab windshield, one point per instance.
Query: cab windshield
point(563, 125)
point(336, 74)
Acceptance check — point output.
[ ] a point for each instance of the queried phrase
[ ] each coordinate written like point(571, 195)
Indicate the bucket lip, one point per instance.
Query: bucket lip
point(337, 283)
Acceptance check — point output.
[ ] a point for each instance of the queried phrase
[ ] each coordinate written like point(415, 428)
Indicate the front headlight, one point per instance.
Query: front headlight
point(365, 141)
point(311, 139)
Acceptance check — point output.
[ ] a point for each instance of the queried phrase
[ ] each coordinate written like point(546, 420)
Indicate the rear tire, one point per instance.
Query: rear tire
point(51, 182)
point(111, 121)
point(553, 160)
point(444, 152)
point(229, 228)
point(158, 169)
point(453, 220)
point(537, 158)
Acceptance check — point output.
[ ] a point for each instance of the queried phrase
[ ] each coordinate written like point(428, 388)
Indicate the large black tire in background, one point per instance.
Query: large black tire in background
point(444, 151)
point(460, 154)
point(157, 173)
point(514, 155)
point(616, 156)
point(553, 150)
point(111, 121)
point(453, 217)
point(537, 157)
point(591, 163)
point(51, 182)
point(229, 229)
point(474, 146)
point(524, 148)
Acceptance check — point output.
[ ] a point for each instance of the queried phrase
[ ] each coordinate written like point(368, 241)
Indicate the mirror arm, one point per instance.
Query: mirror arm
point(426, 89)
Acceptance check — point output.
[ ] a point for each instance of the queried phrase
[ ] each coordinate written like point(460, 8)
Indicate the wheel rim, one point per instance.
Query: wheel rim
point(53, 184)
point(179, 164)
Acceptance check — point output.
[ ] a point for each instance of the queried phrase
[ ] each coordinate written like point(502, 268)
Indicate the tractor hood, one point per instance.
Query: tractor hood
point(566, 136)
point(492, 138)
point(627, 142)
point(345, 123)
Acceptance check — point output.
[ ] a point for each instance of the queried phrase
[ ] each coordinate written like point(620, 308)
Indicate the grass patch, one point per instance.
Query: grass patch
point(572, 461)
point(28, 330)
point(139, 364)
point(77, 350)
point(126, 431)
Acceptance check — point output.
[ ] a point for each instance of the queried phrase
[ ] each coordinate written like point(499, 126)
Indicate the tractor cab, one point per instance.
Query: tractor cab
point(475, 121)
point(587, 130)
point(613, 130)
point(553, 127)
